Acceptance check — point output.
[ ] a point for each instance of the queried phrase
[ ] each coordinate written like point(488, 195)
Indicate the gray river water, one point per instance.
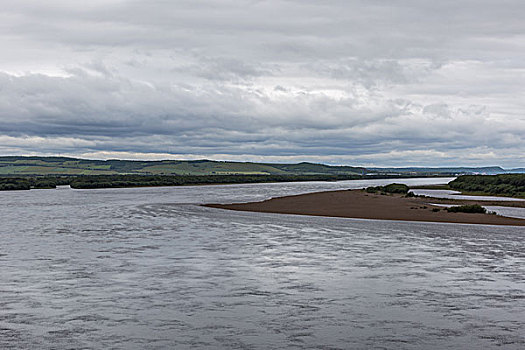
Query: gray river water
point(146, 268)
point(448, 194)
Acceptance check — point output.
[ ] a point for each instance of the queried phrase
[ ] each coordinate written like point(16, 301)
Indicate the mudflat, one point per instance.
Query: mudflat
point(362, 205)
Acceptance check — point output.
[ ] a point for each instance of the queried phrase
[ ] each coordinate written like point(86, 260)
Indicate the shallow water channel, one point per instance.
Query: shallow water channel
point(449, 194)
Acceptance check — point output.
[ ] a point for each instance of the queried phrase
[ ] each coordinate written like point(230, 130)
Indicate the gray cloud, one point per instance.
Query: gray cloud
point(353, 82)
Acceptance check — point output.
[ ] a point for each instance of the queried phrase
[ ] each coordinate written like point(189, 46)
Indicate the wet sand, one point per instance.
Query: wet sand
point(362, 205)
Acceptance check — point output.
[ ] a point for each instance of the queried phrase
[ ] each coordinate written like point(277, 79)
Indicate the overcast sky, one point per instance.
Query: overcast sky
point(383, 83)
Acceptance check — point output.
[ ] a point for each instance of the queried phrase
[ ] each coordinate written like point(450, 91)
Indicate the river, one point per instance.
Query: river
point(147, 268)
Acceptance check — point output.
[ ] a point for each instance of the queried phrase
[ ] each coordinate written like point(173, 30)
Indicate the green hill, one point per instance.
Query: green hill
point(12, 165)
point(22, 166)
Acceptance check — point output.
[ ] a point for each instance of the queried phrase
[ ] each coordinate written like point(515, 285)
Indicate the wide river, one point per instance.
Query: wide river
point(147, 268)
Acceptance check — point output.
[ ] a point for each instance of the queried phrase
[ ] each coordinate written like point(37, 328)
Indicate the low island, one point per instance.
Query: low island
point(379, 205)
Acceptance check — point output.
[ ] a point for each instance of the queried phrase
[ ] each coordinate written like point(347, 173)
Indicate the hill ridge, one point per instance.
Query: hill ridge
point(60, 165)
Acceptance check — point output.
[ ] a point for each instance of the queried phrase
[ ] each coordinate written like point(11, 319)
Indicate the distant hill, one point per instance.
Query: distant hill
point(492, 170)
point(13, 165)
point(517, 171)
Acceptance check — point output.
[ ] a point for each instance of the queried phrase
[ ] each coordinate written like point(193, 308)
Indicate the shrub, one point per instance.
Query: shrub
point(471, 208)
point(396, 188)
point(372, 189)
point(391, 188)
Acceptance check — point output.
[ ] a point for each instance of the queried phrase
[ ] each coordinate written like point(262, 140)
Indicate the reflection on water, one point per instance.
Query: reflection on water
point(147, 269)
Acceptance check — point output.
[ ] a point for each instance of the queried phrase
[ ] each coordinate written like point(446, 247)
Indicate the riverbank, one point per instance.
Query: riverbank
point(361, 205)
point(147, 180)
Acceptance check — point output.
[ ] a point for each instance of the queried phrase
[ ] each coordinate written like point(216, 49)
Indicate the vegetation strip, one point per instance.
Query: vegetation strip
point(113, 181)
point(120, 181)
point(512, 185)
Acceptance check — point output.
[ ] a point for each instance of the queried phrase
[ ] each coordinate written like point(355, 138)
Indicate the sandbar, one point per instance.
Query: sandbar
point(362, 205)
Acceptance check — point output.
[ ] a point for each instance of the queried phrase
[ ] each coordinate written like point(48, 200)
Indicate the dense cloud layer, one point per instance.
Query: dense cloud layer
point(348, 82)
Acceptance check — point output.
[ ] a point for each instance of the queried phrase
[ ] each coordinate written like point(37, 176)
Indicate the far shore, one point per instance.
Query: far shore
point(359, 204)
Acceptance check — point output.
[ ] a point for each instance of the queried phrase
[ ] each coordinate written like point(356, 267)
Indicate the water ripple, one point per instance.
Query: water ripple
point(147, 269)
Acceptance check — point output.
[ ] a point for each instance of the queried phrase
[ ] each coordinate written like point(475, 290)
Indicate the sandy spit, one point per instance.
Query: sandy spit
point(362, 205)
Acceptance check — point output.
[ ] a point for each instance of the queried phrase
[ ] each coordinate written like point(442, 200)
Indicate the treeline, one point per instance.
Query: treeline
point(112, 181)
point(133, 180)
point(109, 181)
point(11, 184)
point(26, 183)
point(505, 184)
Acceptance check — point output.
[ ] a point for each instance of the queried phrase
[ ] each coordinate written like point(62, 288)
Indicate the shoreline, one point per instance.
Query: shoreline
point(359, 204)
point(283, 179)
